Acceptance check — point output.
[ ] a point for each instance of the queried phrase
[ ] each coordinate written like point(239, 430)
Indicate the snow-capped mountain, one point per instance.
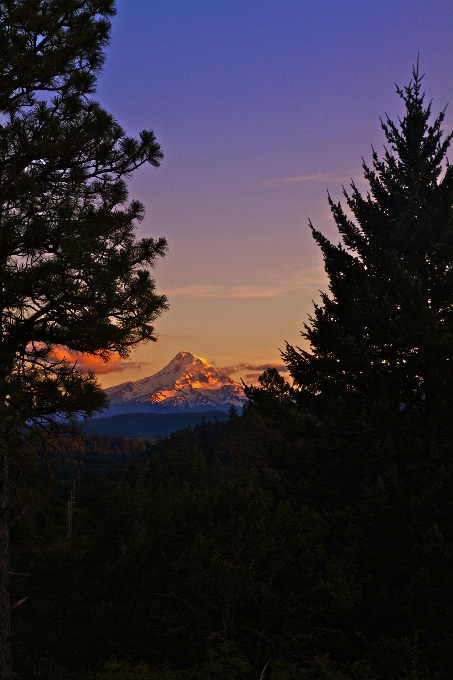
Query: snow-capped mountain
point(187, 383)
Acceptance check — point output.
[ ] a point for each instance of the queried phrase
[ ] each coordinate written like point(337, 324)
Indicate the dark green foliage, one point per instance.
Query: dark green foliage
point(175, 560)
point(50, 47)
point(86, 455)
point(178, 557)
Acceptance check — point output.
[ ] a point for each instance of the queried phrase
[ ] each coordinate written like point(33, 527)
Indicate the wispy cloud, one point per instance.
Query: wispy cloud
point(115, 368)
point(90, 362)
point(276, 285)
point(253, 367)
point(253, 377)
point(318, 177)
point(209, 290)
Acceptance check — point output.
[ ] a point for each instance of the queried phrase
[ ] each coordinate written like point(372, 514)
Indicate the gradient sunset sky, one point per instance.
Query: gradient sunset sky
point(260, 106)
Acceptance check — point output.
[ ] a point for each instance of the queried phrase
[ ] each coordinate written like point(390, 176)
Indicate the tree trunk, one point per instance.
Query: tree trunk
point(6, 672)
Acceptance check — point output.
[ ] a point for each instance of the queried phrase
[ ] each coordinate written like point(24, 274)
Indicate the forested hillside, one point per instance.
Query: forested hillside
point(236, 545)
point(184, 561)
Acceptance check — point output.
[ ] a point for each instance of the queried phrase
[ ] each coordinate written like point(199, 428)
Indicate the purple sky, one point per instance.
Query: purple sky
point(260, 107)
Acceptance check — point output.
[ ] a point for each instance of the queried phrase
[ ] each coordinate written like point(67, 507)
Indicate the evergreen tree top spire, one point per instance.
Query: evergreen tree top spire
point(405, 191)
point(418, 145)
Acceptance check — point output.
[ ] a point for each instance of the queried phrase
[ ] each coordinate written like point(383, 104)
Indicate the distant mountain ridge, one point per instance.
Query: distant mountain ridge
point(187, 384)
point(149, 425)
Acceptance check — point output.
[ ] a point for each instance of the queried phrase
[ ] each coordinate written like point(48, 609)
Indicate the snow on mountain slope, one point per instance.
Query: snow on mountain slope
point(187, 383)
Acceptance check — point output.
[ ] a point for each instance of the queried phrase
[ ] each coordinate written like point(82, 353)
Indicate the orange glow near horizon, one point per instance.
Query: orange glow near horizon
point(88, 362)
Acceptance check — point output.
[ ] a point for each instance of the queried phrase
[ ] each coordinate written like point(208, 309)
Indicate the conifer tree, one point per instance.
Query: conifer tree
point(373, 402)
point(382, 338)
point(72, 273)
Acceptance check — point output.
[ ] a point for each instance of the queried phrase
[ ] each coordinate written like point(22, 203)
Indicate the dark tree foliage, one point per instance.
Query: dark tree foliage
point(72, 273)
point(384, 334)
point(174, 563)
point(54, 46)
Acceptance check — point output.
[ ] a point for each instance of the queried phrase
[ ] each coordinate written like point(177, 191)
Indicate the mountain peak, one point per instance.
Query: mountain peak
point(188, 383)
point(187, 358)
